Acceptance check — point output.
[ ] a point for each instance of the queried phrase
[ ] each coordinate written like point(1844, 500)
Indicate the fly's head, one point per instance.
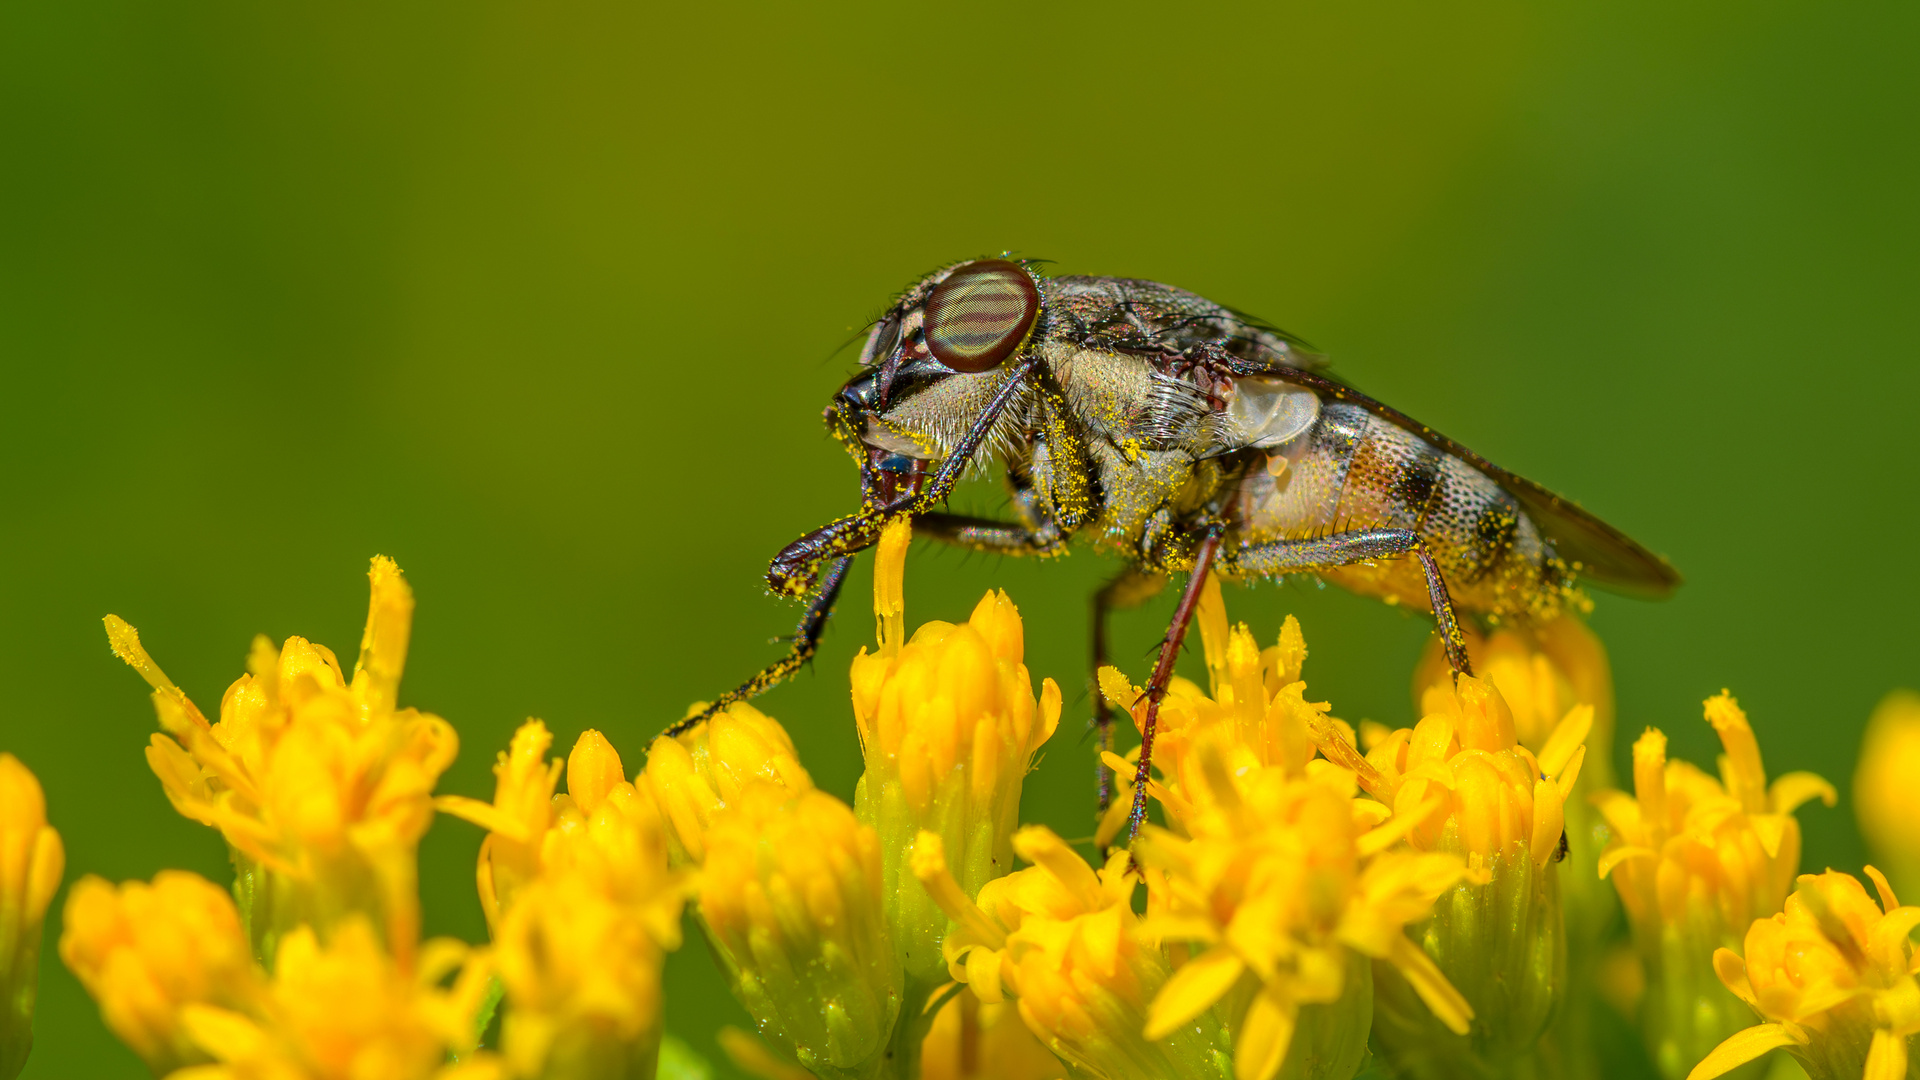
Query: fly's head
point(929, 369)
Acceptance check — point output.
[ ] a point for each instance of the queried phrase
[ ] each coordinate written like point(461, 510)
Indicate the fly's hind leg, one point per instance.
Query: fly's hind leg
point(1131, 588)
point(1344, 549)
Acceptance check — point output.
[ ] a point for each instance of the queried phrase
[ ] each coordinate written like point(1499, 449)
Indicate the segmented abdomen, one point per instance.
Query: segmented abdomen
point(1352, 470)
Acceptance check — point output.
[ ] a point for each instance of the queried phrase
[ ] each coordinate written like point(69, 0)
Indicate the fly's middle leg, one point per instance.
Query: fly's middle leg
point(1362, 545)
point(1131, 588)
point(1203, 558)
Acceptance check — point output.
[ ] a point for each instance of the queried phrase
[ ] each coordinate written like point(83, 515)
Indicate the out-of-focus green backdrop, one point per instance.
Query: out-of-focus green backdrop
point(543, 300)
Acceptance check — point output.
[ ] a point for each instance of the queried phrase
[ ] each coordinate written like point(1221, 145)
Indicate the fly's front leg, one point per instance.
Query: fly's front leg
point(792, 571)
point(1203, 557)
point(806, 642)
point(1364, 545)
point(1131, 588)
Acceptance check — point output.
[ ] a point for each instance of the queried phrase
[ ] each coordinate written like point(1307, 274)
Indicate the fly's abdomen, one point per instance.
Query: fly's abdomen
point(1354, 471)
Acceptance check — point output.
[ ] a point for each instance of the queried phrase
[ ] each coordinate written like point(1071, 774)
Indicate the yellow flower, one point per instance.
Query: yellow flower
point(1499, 935)
point(582, 979)
point(949, 726)
point(321, 785)
point(1062, 940)
point(1833, 975)
point(790, 894)
point(974, 1041)
point(1696, 862)
point(1285, 892)
point(1885, 798)
point(702, 771)
point(347, 1010)
point(516, 820)
point(580, 937)
point(1543, 671)
point(146, 952)
point(1255, 706)
point(31, 862)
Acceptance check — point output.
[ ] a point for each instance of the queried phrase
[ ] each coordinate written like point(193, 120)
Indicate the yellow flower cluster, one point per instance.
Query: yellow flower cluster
point(1833, 974)
point(1433, 903)
point(321, 785)
point(1062, 939)
point(1696, 860)
point(582, 905)
point(1276, 884)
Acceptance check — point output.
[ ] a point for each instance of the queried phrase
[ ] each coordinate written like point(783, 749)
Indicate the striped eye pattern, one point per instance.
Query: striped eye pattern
point(980, 314)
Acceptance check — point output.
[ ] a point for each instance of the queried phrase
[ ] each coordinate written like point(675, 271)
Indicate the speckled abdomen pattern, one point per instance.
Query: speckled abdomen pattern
point(1353, 471)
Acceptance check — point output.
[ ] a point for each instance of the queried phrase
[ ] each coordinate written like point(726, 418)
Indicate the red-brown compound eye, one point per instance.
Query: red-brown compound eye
point(980, 314)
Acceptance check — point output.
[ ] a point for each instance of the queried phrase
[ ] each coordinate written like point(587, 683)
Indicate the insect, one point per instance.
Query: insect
point(1185, 437)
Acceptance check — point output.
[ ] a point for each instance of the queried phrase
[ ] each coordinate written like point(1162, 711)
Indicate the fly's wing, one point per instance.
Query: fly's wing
point(1600, 553)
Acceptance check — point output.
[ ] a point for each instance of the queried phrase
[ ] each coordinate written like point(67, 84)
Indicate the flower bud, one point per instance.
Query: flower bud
point(703, 770)
point(1498, 936)
point(1542, 670)
point(949, 725)
point(147, 952)
point(1885, 798)
point(791, 896)
point(31, 862)
point(593, 770)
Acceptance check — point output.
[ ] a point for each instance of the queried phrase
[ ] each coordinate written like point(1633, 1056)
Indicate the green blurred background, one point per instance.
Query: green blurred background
point(542, 300)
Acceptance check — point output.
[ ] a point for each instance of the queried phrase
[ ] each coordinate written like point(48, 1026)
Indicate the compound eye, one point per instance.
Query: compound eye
point(980, 314)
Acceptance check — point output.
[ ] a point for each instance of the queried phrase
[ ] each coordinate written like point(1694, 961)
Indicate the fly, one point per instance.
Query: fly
point(1185, 437)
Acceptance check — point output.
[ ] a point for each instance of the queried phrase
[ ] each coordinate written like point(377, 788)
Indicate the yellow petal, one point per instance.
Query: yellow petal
point(383, 645)
point(1791, 790)
point(751, 1056)
point(1880, 885)
point(1571, 773)
point(1448, 1006)
point(1733, 974)
point(1619, 855)
point(1769, 828)
point(483, 814)
point(929, 862)
point(1264, 1036)
point(1740, 1048)
point(1549, 820)
point(1114, 686)
point(593, 770)
point(1404, 821)
point(1888, 1058)
point(1567, 737)
point(1193, 989)
point(889, 585)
